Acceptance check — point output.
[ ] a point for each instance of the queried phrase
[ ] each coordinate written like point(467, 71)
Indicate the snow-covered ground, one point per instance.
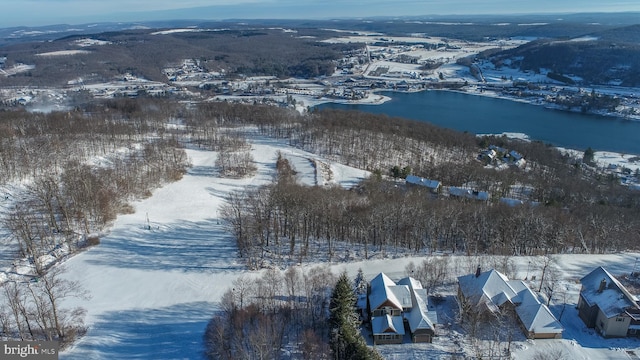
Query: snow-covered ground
point(153, 290)
point(156, 278)
point(64, 53)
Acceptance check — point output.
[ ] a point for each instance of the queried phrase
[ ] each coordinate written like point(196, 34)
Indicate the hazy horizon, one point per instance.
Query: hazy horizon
point(50, 12)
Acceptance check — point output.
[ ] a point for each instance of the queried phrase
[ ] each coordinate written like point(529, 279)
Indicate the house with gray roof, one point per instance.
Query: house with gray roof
point(491, 292)
point(606, 305)
point(467, 193)
point(432, 185)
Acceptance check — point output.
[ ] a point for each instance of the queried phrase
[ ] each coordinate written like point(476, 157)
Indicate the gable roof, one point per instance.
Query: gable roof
point(490, 286)
point(384, 290)
point(416, 180)
point(493, 289)
point(387, 324)
point(410, 282)
point(539, 319)
point(421, 316)
point(613, 299)
point(418, 317)
point(534, 316)
point(468, 193)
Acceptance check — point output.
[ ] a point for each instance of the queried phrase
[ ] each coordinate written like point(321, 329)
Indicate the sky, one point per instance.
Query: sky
point(48, 12)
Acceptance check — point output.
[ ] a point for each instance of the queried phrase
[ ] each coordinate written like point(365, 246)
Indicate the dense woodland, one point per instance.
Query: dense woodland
point(261, 316)
point(580, 210)
point(235, 52)
point(261, 48)
point(611, 56)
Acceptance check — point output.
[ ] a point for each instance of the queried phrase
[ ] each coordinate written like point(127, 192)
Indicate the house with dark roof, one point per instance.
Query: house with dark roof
point(396, 308)
point(491, 292)
point(606, 305)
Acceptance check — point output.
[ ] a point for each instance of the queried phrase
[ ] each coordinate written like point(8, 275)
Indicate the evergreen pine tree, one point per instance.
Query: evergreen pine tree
point(360, 283)
point(588, 156)
point(345, 338)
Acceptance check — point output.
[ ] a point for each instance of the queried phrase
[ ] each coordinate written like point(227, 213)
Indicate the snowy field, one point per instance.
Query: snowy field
point(153, 291)
point(155, 283)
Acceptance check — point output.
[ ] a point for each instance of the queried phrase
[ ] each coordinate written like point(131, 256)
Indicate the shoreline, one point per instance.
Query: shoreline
point(487, 93)
point(611, 160)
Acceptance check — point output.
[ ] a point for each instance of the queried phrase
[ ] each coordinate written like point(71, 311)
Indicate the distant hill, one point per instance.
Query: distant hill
point(611, 56)
point(599, 48)
point(146, 53)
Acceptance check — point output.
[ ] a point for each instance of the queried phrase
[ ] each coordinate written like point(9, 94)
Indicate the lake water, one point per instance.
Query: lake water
point(486, 115)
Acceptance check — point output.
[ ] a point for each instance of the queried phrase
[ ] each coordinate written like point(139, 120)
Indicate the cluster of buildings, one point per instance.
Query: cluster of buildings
point(436, 187)
point(496, 154)
point(396, 309)
point(493, 155)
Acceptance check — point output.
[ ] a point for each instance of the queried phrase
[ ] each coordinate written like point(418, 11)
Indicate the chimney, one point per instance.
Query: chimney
point(603, 284)
point(478, 271)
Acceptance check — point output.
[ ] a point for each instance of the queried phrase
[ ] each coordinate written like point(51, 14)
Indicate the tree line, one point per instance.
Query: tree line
point(287, 222)
point(259, 316)
point(311, 313)
point(578, 208)
point(236, 52)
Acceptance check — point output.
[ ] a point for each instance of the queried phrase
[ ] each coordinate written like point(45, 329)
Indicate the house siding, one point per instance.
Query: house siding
point(387, 339)
point(587, 313)
point(533, 335)
point(422, 336)
point(616, 326)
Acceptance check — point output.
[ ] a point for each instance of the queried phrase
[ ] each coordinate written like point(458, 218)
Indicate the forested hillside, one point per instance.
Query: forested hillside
point(146, 53)
point(606, 57)
point(70, 173)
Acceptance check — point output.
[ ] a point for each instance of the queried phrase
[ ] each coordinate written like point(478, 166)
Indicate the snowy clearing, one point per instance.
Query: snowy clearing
point(64, 53)
point(159, 285)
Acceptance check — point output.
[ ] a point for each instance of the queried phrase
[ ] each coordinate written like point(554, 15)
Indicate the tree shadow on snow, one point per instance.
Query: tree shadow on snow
point(173, 332)
point(207, 171)
point(187, 245)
